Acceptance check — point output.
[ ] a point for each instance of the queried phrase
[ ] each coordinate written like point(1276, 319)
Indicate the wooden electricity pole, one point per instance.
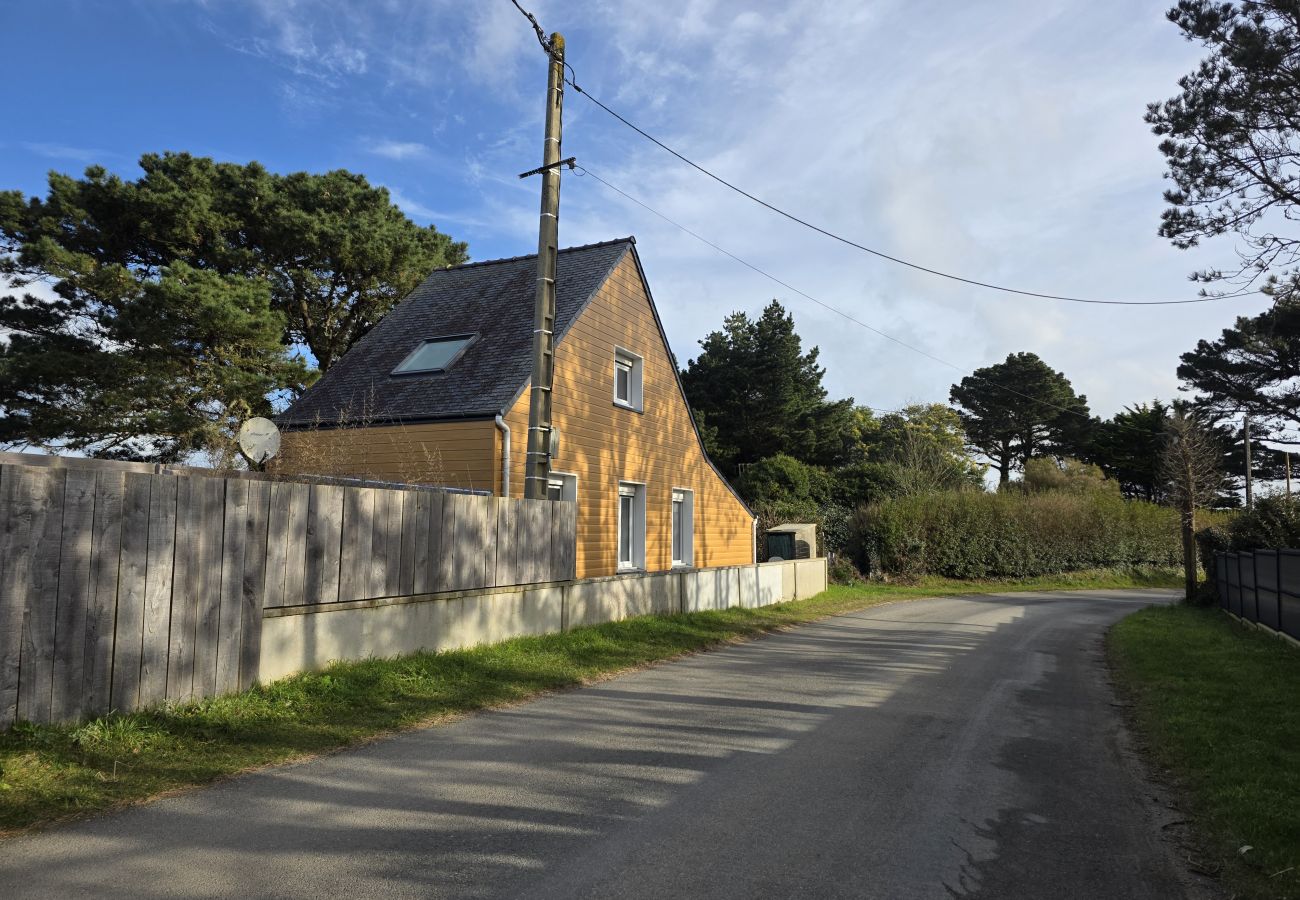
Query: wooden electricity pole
point(1288, 474)
point(539, 406)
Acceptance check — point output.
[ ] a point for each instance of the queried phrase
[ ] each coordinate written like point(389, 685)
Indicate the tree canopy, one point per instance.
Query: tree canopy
point(181, 298)
point(1231, 141)
point(134, 369)
point(756, 393)
point(1019, 409)
point(335, 251)
point(1128, 447)
point(1252, 369)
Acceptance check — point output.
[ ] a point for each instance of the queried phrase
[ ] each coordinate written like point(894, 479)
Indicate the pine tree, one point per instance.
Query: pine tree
point(759, 394)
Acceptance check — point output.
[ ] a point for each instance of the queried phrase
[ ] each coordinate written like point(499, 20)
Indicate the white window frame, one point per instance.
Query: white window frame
point(635, 365)
point(567, 482)
point(634, 559)
point(686, 497)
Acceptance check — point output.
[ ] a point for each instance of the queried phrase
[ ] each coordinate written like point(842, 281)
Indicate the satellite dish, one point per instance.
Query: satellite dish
point(259, 440)
point(553, 446)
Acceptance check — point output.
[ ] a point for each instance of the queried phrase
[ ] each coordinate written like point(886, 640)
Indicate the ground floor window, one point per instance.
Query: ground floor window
point(631, 525)
point(683, 525)
point(562, 486)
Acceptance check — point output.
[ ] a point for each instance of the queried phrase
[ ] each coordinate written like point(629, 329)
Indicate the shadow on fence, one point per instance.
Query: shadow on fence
point(1263, 587)
point(122, 587)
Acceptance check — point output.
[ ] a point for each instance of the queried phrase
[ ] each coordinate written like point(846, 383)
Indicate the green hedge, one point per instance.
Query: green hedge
point(1012, 534)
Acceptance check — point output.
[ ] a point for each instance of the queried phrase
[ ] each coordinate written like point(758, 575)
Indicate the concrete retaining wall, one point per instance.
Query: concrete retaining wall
point(306, 638)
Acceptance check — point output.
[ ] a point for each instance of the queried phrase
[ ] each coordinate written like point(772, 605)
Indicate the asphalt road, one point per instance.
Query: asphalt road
point(943, 748)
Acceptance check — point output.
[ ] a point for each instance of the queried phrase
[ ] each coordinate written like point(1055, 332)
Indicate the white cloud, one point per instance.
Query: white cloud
point(64, 151)
point(398, 150)
point(1003, 143)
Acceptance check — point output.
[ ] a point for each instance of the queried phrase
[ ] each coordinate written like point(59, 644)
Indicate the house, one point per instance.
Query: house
point(438, 392)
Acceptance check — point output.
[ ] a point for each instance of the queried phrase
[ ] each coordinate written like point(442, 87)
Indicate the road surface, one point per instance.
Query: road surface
point(942, 748)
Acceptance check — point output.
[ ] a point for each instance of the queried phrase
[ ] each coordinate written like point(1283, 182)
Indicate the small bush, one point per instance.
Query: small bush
point(1012, 534)
point(1273, 524)
point(840, 570)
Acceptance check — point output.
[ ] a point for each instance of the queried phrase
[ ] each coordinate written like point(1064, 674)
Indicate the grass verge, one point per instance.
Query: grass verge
point(48, 773)
point(1218, 703)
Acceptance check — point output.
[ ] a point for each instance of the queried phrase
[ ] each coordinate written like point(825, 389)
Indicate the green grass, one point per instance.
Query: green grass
point(1219, 705)
point(48, 773)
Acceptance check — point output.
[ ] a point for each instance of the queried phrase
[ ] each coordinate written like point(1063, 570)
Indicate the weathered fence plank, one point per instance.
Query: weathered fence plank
point(257, 514)
point(434, 530)
point(487, 535)
point(102, 607)
point(324, 543)
point(73, 595)
point(277, 545)
point(390, 580)
point(420, 543)
point(358, 524)
point(535, 541)
point(133, 562)
point(447, 557)
point(185, 590)
point(35, 684)
point(507, 516)
point(295, 563)
point(377, 561)
point(160, 583)
point(406, 568)
point(207, 628)
point(15, 578)
point(563, 541)
point(230, 615)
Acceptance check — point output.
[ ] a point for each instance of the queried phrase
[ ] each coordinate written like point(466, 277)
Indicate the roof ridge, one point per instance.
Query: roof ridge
point(630, 239)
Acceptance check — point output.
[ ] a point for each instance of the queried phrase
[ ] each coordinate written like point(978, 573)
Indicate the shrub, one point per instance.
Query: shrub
point(1011, 534)
point(1273, 523)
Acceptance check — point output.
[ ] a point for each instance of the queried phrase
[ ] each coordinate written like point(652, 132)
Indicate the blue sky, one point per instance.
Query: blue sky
point(1000, 141)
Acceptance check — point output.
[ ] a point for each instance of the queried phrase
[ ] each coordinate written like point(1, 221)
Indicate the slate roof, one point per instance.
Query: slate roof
point(493, 299)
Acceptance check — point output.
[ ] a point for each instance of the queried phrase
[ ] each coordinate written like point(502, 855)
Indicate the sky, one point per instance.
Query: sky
point(1001, 142)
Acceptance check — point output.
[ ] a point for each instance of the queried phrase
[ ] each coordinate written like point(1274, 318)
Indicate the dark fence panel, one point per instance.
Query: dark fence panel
point(1288, 567)
point(1249, 599)
point(1232, 565)
point(1263, 587)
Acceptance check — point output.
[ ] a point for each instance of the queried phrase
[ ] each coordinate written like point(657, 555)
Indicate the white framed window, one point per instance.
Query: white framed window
point(628, 368)
point(562, 486)
point(435, 355)
point(631, 525)
point(683, 525)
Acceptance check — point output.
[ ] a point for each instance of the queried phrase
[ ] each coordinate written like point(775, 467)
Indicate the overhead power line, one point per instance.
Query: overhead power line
point(878, 253)
point(583, 171)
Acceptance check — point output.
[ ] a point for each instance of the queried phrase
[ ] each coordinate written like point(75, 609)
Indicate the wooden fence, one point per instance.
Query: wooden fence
point(121, 589)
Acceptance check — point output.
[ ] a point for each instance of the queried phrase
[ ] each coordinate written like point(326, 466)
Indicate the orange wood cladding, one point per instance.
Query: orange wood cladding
point(603, 444)
point(456, 454)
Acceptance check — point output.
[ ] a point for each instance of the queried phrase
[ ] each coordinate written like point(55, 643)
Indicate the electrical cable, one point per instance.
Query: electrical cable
point(582, 171)
point(882, 255)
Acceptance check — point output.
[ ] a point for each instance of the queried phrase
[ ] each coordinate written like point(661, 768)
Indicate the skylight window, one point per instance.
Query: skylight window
point(436, 355)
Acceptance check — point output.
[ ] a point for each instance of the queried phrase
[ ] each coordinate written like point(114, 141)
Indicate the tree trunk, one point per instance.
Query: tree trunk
point(1189, 553)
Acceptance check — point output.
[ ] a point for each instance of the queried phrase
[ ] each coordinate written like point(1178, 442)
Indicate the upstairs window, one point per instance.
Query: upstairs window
point(434, 355)
point(627, 379)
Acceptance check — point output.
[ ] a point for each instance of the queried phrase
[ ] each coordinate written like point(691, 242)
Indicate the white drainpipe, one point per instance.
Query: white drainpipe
point(505, 455)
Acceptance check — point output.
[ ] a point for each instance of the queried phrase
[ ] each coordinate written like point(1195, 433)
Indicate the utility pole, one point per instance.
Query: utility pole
point(1288, 474)
point(539, 405)
point(1245, 432)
